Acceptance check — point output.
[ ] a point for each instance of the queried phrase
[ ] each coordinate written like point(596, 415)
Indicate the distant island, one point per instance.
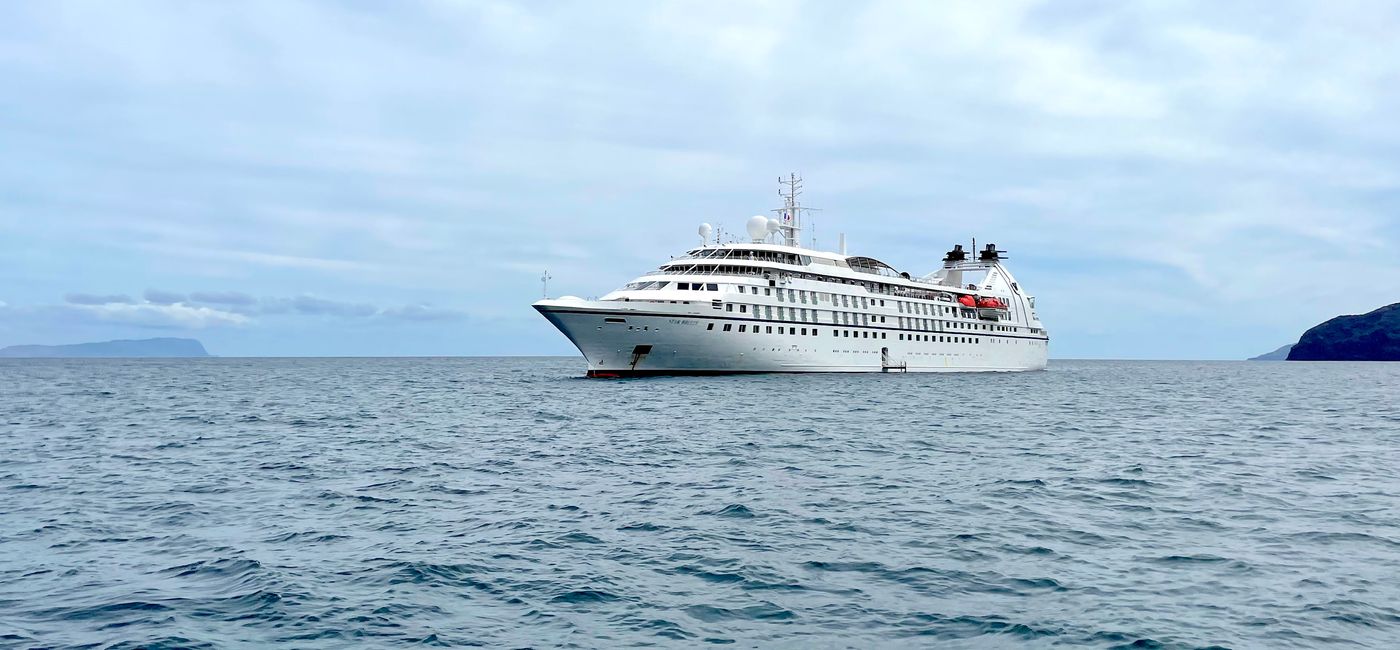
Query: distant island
point(157, 347)
point(1280, 354)
point(1374, 336)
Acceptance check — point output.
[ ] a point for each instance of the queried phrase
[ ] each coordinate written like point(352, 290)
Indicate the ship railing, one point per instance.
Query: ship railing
point(705, 272)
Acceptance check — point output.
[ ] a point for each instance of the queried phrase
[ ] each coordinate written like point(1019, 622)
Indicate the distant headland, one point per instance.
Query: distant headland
point(1280, 354)
point(157, 347)
point(1373, 336)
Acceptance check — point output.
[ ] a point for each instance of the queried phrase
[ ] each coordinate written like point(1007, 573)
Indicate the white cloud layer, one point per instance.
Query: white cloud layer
point(210, 309)
point(161, 316)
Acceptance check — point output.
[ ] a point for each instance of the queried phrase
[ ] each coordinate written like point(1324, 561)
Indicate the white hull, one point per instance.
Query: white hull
point(681, 341)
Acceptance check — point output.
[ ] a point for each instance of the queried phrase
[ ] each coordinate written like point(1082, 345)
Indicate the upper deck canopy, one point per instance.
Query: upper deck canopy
point(874, 266)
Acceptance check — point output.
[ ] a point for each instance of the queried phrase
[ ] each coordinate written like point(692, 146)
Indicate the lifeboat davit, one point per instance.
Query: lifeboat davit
point(967, 301)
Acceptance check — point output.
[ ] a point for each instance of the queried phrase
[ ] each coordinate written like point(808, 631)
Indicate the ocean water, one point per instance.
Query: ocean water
point(511, 503)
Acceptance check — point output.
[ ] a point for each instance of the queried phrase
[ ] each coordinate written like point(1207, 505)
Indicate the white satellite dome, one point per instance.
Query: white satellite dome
point(757, 226)
point(773, 225)
point(705, 231)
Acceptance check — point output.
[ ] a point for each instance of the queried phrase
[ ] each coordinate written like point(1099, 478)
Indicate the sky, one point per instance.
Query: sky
point(1172, 180)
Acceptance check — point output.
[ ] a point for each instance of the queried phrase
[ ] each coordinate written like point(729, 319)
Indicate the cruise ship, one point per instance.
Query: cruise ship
point(768, 305)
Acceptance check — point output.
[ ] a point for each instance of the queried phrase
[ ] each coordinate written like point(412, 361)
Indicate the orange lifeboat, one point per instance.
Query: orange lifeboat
point(990, 303)
point(967, 301)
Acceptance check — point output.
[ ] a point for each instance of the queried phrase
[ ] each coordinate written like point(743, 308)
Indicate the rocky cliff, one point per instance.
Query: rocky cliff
point(1368, 337)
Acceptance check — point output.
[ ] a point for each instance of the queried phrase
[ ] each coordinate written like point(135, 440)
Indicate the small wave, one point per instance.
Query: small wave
point(1354, 612)
point(709, 576)
point(465, 492)
point(1034, 482)
point(305, 537)
point(962, 627)
point(220, 567)
point(578, 596)
point(764, 611)
point(664, 628)
point(104, 611)
point(161, 643)
point(1035, 584)
point(461, 575)
point(1130, 482)
point(1203, 559)
point(579, 538)
point(365, 498)
point(859, 567)
point(1334, 538)
point(735, 510)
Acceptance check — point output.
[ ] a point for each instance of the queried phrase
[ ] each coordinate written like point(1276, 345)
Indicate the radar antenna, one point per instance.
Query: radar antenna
point(790, 215)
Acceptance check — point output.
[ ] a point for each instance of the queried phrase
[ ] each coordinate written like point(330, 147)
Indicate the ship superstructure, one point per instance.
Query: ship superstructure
point(770, 305)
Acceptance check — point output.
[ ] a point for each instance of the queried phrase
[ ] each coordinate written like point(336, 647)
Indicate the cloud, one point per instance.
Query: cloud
point(159, 316)
point(94, 299)
point(235, 298)
point(163, 297)
point(423, 312)
point(211, 309)
point(320, 306)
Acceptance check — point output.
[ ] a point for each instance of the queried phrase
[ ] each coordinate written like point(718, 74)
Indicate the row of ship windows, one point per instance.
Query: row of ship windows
point(804, 297)
point(801, 315)
point(843, 300)
point(812, 331)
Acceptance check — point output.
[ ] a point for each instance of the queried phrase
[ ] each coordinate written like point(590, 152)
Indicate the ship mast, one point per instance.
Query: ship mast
point(790, 215)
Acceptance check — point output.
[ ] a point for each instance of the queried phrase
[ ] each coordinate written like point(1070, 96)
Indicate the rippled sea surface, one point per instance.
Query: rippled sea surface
point(512, 503)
